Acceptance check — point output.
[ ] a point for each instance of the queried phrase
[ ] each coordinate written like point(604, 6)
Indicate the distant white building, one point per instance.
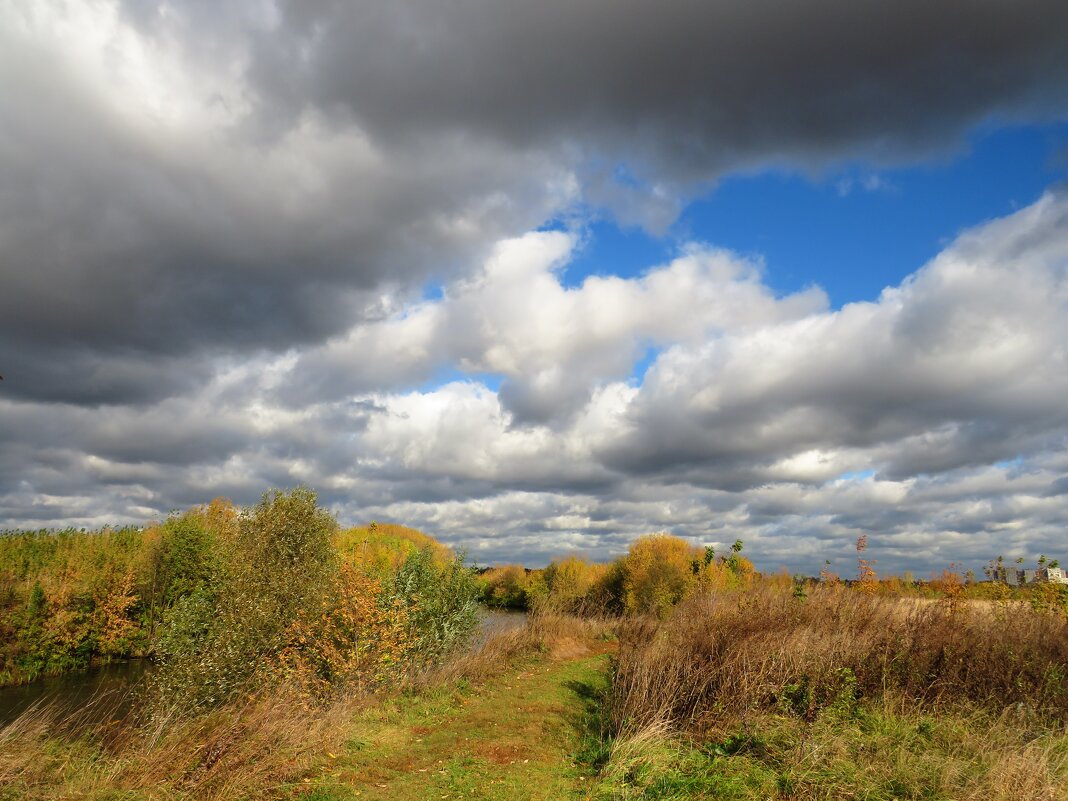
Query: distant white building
point(1015, 578)
point(1056, 575)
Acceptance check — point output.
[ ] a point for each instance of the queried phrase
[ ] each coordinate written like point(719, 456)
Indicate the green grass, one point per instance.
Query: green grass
point(517, 736)
point(874, 755)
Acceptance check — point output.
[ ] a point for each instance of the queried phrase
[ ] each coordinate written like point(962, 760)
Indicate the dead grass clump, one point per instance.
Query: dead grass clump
point(234, 751)
point(723, 656)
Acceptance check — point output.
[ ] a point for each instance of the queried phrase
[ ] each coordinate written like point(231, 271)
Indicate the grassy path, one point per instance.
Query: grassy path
point(514, 737)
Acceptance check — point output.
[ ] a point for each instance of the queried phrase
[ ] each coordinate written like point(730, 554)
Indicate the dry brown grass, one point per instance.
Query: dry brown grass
point(727, 655)
point(761, 695)
point(232, 752)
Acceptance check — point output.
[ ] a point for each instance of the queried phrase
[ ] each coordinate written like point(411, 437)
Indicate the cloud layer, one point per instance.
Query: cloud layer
point(932, 418)
point(223, 234)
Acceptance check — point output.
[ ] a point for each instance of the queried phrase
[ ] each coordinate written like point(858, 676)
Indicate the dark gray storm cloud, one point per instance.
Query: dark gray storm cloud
point(286, 165)
point(693, 87)
point(145, 217)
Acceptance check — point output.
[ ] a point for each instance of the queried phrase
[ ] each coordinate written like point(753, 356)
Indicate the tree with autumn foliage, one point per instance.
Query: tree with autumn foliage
point(381, 548)
point(68, 598)
point(867, 579)
point(505, 587)
point(289, 605)
point(658, 571)
point(348, 639)
point(575, 585)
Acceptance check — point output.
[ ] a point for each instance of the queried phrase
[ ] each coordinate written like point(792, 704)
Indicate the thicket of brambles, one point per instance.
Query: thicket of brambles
point(227, 600)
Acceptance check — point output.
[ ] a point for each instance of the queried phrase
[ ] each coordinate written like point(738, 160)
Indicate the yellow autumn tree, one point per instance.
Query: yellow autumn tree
point(658, 571)
point(114, 627)
point(571, 584)
point(382, 548)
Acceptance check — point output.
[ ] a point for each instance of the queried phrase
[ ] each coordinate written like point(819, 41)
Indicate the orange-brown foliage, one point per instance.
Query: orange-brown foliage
point(349, 640)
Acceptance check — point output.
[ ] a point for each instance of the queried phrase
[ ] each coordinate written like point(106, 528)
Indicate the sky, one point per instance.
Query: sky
point(540, 278)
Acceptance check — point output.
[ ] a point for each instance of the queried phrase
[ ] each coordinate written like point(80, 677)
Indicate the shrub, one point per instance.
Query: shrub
point(439, 603)
point(224, 637)
point(188, 557)
point(658, 571)
point(183, 556)
point(351, 639)
point(574, 585)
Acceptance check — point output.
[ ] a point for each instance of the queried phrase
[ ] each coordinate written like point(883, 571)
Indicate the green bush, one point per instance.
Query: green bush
point(441, 602)
point(246, 620)
point(218, 639)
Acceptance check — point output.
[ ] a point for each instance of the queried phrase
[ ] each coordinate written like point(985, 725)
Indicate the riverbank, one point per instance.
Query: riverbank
point(275, 746)
point(104, 692)
point(81, 699)
point(281, 577)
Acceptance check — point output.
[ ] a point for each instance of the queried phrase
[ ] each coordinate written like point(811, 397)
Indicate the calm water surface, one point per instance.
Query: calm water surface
point(78, 699)
point(497, 621)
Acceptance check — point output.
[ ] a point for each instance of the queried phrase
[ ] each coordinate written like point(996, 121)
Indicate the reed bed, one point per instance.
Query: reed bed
point(722, 656)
